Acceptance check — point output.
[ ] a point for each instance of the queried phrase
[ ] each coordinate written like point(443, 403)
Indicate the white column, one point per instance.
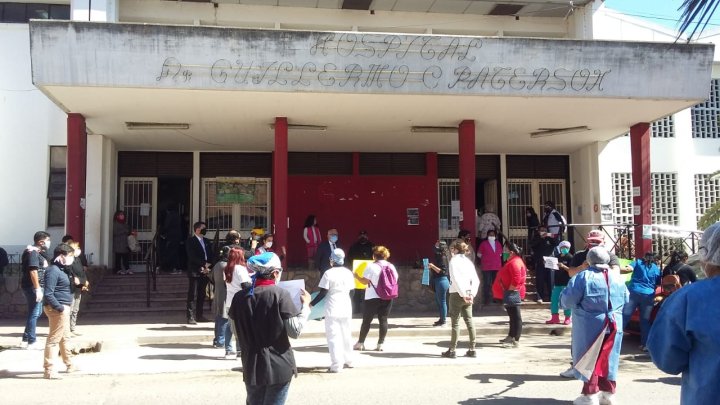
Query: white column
point(94, 198)
point(585, 188)
point(94, 10)
point(682, 148)
point(503, 194)
point(196, 188)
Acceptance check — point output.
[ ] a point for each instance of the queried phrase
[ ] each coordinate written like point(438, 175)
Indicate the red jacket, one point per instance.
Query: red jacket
point(514, 273)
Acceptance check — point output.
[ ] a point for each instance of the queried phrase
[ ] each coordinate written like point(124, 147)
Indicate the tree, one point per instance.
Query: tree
point(696, 15)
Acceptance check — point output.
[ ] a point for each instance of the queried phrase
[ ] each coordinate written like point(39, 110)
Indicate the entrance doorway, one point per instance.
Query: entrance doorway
point(524, 193)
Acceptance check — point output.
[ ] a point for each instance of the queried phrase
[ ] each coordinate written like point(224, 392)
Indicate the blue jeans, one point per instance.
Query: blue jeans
point(223, 333)
point(442, 285)
point(645, 303)
point(274, 394)
point(34, 311)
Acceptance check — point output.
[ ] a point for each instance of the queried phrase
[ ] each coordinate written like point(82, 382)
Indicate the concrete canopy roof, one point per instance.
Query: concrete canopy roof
point(233, 120)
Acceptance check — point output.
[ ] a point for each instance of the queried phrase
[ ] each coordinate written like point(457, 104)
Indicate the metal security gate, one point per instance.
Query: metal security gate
point(523, 193)
point(138, 198)
point(237, 203)
point(449, 208)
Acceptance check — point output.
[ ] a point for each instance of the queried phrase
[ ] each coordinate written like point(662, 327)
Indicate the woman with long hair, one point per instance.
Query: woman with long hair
point(312, 237)
point(266, 245)
point(464, 284)
point(509, 286)
point(374, 305)
point(532, 222)
point(236, 278)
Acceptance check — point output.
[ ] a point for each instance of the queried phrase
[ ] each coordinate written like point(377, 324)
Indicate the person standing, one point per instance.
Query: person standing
point(199, 256)
point(374, 305)
point(464, 284)
point(360, 250)
point(171, 235)
point(490, 254)
point(35, 259)
point(336, 285)
point(684, 337)
point(322, 257)
point(542, 245)
point(645, 279)
point(312, 237)
point(79, 284)
point(560, 279)
point(265, 318)
point(236, 278)
point(439, 278)
point(509, 286)
point(120, 245)
point(222, 326)
point(267, 245)
point(488, 221)
point(678, 266)
point(57, 300)
point(554, 222)
point(532, 222)
point(596, 297)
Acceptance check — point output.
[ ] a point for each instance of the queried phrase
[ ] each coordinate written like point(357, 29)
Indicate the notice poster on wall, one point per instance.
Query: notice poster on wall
point(455, 208)
point(413, 216)
point(231, 191)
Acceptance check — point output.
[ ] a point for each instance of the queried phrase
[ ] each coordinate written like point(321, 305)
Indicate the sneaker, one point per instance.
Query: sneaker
point(359, 346)
point(539, 301)
point(439, 323)
point(450, 354)
point(35, 346)
point(122, 272)
point(129, 272)
point(51, 376)
point(379, 347)
point(567, 321)
point(643, 348)
point(587, 400)
point(230, 355)
point(507, 339)
point(348, 365)
point(71, 369)
point(511, 345)
point(607, 398)
point(569, 373)
point(333, 370)
point(471, 353)
point(75, 333)
point(192, 321)
point(23, 344)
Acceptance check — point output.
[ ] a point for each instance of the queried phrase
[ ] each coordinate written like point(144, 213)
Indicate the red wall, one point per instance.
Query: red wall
point(376, 204)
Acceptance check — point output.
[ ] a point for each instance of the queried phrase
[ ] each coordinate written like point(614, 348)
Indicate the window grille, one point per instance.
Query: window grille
point(236, 203)
point(664, 127)
point(707, 193)
point(705, 114)
point(56, 186)
point(448, 191)
point(622, 198)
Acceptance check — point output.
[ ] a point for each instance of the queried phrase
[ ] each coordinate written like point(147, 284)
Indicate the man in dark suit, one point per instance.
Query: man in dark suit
point(199, 256)
point(322, 257)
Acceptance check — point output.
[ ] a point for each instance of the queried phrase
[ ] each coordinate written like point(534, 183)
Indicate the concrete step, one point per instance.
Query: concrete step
point(134, 303)
point(139, 294)
point(112, 315)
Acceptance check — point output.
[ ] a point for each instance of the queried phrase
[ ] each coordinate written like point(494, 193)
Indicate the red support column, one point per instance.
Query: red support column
point(640, 152)
point(75, 177)
point(280, 183)
point(466, 150)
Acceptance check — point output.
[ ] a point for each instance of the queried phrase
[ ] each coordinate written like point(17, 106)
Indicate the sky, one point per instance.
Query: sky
point(661, 12)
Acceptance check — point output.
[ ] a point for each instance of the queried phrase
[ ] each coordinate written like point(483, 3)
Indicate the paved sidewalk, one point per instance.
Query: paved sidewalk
point(129, 347)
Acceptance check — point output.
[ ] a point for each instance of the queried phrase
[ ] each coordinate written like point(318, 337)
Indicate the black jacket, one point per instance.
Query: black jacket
point(322, 257)
point(196, 256)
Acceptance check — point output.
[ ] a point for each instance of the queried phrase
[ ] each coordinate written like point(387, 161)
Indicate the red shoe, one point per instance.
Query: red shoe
point(554, 320)
point(567, 321)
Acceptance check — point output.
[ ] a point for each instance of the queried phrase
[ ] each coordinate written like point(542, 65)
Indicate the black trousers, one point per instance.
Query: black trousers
point(196, 296)
point(542, 281)
point(122, 261)
point(358, 297)
point(515, 321)
point(488, 280)
point(372, 307)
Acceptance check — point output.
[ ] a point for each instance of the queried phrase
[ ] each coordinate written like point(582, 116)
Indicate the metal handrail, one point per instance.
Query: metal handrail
point(151, 268)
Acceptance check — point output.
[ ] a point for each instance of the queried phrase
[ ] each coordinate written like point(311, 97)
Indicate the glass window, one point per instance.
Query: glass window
point(14, 12)
point(56, 186)
point(56, 212)
point(59, 12)
point(38, 11)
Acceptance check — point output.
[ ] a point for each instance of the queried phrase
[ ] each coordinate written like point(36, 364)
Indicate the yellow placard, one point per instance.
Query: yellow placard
point(359, 268)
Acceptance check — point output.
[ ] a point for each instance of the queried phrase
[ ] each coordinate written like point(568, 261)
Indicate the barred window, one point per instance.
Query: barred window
point(56, 186)
point(707, 194)
point(622, 207)
point(664, 127)
point(705, 115)
point(664, 207)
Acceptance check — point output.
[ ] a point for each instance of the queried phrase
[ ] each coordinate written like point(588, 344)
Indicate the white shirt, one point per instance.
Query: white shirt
point(463, 277)
point(201, 239)
point(338, 281)
point(372, 273)
point(240, 275)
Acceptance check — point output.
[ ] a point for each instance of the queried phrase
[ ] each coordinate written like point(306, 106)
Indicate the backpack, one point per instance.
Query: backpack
point(670, 283)
point(563, 222)
point(387, 286)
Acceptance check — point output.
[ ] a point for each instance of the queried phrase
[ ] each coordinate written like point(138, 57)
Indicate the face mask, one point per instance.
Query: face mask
point(203, 231)
point(333, 238)
point(78, 252)
point(268, 245)
point(121, 218)
point(564, 251)
point(47, 244)
point(65, 260)
point(255, 237)
point(491, 239)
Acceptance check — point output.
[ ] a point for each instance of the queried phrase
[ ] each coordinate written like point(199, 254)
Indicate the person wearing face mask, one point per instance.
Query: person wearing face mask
point(532, 222)
point(79, 283)
point(490, 255)
point(120, 244)
point(312, 237)
point(554, 221)
point(266, 245)
point(265, 317)
point(464, 284)
point(35, 259)
point(199, 257)
point(646, 277)
point(560, 278)
point(360, 250)
point(57, 300)
point(684, 336)
point(439, 278)
point(322, 257)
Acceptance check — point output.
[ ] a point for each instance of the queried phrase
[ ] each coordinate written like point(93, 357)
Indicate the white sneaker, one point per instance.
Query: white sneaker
point(607, 398)
point(569, 373)
point(23, 344)
point(593, 399)
point(35, 346)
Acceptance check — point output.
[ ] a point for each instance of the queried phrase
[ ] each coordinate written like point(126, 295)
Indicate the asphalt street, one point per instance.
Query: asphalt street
point(410, 370)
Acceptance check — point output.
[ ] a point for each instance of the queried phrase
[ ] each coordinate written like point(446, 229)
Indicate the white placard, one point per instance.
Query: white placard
point(636, 210)
point(551, 262)
point(294, 287)
point(647, 232)
point(636, 191)
point(144, 210)
point(455, 208)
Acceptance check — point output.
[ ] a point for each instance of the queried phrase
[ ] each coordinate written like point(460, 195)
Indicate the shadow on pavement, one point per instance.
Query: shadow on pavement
point(28, 375)
point(389, 355)
point(515, 380)
point(315, 349)
point(183, 329)
point(664, 380)
point(179, 357)
point(552, 347)
point(512, 400)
